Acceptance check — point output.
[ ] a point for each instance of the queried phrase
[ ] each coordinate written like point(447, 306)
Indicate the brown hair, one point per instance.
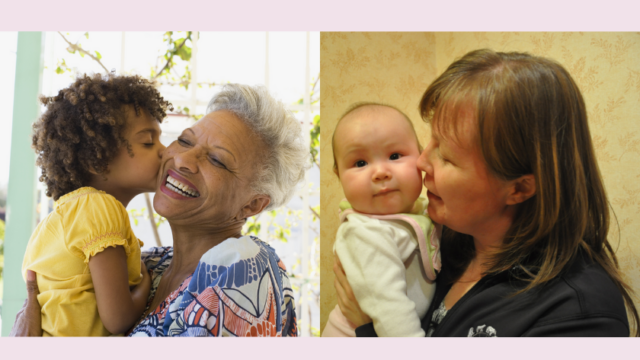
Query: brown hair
point(357, 106)
point(531, 120)
point(83, 125)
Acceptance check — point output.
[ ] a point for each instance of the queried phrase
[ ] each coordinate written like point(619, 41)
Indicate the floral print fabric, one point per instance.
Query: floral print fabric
point(239, 288)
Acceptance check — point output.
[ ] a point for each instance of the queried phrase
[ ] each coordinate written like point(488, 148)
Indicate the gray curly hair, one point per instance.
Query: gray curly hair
point(287, 158)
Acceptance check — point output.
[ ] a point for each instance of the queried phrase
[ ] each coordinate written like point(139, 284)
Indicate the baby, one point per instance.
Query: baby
point(388, 253)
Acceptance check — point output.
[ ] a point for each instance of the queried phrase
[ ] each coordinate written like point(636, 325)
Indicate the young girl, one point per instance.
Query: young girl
point(98, 147)
point(389, 253)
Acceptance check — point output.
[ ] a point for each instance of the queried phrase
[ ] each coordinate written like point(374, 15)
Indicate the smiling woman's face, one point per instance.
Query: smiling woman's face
point(463, 194)
point(206, 174)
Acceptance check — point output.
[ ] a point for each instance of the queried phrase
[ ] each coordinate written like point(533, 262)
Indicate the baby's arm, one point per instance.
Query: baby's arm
point(373, 264)
point(119, 307)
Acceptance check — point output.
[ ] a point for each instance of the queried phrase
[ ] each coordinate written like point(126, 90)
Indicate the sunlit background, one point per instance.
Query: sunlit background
point(195, 65)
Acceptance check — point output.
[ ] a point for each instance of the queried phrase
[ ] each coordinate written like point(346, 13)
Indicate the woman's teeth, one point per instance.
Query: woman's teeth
point(180, 188)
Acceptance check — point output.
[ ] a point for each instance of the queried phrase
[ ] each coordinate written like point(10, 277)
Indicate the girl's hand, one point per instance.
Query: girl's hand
point(141, 291)
point(145, 273)
point(28, 321)
point(346, 300)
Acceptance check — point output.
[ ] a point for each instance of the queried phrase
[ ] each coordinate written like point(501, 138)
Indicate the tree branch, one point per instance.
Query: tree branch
point(313, 88)
point(173, 53)
point(79, 48)
point(152, 219)
point(313, 211)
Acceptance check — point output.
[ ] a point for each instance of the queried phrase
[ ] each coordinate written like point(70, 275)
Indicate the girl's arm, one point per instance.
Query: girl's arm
point(119, 307)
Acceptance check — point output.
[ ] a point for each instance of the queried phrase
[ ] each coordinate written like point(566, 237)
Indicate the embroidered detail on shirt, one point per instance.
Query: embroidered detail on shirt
point(113, 234)
point(436, 318)
point(482, 331)
point(81, 192)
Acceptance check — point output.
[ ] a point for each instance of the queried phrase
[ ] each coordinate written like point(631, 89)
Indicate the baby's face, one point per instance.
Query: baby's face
point(376, 153)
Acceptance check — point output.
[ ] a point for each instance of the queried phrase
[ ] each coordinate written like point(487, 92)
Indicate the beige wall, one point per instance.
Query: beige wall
point(396, 68)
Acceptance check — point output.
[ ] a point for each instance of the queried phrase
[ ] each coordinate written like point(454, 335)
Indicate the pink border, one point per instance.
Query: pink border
point(319, 348)
point(326, 15)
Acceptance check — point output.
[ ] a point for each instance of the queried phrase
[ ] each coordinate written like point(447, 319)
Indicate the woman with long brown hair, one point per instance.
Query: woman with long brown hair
point(512, 176)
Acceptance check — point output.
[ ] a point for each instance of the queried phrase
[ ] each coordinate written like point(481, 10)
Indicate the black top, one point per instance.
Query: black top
point(582, 301)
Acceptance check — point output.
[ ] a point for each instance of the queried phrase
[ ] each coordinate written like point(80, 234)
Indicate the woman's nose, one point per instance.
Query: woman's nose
point(424, 164)
point(187, 160)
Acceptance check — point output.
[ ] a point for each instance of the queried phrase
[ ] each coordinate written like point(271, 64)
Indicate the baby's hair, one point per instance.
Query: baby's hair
point(357, 106)
point(82, 127)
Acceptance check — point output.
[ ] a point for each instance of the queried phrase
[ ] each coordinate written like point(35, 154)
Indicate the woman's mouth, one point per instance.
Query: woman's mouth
point(180, 188)
point(174, 186)
point(431, 196)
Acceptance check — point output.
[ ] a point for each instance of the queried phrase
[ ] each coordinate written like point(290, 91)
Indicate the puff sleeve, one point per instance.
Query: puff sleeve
point(95, 222)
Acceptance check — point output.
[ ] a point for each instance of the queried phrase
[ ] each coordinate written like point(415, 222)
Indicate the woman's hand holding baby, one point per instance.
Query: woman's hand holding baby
point(346, 300)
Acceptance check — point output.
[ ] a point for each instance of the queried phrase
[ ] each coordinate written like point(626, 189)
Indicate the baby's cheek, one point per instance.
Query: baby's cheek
point(416, 183)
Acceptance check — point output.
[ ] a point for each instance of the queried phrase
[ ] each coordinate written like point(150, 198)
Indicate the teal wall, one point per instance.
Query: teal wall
point(21, 195)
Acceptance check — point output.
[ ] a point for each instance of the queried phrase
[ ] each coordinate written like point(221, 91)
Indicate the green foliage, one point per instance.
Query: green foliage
point(314, 146)
point(275, 231)
point(314, 133)
point(62, 67)
point(181, 48)
point(186, 111)
point(252, 227)
point(2, 226)
point(143, 213)
point(315, 332)
point(3, 197)
point(316, 213)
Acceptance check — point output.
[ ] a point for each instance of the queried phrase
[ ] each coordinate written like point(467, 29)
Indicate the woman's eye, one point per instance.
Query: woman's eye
point(182, 142)
point(360, 163)
point(395, 156)
point(216, 162)
point(442, 157)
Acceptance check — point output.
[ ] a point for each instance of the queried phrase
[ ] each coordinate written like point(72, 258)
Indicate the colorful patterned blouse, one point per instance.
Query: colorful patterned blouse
point(240, 288)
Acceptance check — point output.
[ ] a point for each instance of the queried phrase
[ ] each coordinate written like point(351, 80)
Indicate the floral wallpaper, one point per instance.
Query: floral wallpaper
point(396, 68)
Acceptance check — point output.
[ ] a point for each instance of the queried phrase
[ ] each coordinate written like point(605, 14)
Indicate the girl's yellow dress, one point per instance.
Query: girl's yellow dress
point(83, 223)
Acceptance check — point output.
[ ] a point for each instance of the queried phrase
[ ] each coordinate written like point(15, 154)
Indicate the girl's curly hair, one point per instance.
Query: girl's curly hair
point(82, 127)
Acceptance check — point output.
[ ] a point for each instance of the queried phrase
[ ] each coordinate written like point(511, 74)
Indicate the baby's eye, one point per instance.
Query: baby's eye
point(360, 163)
point(394, 156)
point(149, 144)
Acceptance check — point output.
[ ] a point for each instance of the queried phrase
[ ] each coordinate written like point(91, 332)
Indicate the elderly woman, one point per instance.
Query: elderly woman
point(245, 156)
point(512, 176)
